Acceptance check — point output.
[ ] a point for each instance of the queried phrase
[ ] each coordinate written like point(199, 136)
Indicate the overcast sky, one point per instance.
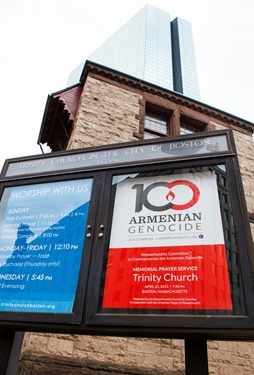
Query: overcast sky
point(42, 41)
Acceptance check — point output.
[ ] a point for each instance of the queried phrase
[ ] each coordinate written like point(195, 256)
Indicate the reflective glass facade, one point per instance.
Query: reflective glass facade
point(184, 61)
point(149, 47)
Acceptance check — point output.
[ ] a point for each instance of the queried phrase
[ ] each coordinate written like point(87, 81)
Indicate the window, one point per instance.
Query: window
point(160, 122)
point(157, 121)
point(185, 129)
point(190, 125)
point(155, 126)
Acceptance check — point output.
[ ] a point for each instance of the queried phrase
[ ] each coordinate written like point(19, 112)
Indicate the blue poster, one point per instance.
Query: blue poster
point(42, 231)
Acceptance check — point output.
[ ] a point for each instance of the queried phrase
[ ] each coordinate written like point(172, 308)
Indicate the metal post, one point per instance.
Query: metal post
point(13, 364)
point(6, 341)
point(196, 359)
point(10, 345)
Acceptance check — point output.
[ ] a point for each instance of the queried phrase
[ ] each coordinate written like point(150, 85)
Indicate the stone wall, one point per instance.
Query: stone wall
point(107, 114)
point(58, 354)
point(245, 153)
point(125, 355)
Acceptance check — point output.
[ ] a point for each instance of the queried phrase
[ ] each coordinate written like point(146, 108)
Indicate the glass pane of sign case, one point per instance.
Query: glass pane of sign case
point(42, 231)
point(172, 247)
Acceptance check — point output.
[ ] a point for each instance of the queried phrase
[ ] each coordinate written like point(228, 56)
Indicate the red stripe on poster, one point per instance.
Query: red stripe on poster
point(171, 277)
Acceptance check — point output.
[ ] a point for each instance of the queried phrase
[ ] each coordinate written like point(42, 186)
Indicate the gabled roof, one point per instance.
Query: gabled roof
point(68, 101)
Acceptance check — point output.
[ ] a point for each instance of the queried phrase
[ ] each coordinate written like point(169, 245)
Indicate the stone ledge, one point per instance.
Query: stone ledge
point(52, 365)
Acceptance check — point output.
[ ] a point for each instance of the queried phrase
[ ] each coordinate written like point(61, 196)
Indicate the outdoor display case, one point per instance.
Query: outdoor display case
point(144, 239)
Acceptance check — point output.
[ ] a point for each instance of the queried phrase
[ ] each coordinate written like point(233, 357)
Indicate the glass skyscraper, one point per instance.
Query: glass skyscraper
point(153, 49)
point(185, 75)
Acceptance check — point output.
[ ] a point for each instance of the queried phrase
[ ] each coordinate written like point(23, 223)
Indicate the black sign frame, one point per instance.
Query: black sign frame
point(176, 325)
point(93, 321)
